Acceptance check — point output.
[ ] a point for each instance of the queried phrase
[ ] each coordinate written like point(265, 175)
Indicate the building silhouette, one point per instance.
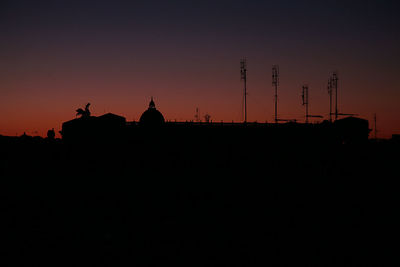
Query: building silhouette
point(152, 117)
point(109, 127)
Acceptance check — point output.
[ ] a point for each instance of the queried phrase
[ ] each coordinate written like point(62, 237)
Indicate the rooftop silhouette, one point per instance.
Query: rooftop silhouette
point(201, 193)
point(111, 126)
point(254, 179)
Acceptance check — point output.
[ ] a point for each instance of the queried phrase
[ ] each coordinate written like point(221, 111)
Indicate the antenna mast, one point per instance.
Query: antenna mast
point(330, 98)
point(375, 130)
point(197, 115)
point(275, 83)
point(305, 100)
point(243, 76)
point(335, 85)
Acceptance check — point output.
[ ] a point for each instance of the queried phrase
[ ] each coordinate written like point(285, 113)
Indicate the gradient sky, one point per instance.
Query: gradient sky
point(55, 56)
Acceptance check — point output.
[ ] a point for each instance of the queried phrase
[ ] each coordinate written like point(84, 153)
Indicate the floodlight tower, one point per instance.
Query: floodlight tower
point(335, 85)
point(330, 98)
point(243, 76)
point(304, 96)
point(275, 83)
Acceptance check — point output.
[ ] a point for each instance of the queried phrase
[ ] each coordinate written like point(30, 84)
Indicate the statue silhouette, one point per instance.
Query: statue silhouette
point(83, 113)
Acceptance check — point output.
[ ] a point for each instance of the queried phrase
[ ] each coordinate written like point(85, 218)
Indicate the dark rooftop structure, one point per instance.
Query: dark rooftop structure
point(111, 127)
point(91, 127)
point(152, 117)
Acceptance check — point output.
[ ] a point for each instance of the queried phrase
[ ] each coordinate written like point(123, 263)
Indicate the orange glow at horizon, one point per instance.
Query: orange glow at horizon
point(218, 95)
point(57, 56)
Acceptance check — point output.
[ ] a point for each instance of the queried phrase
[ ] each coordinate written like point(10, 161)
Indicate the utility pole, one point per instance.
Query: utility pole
point(243, 76)
point(275, 83)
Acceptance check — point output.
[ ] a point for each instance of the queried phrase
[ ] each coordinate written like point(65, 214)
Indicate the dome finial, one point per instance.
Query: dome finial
point(152, 105)
point(151, 117)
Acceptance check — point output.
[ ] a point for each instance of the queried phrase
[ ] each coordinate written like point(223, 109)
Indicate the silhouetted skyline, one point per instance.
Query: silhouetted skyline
point(114, 54)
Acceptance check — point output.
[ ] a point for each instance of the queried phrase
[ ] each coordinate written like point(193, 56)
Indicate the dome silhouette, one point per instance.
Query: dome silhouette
point(151, 117)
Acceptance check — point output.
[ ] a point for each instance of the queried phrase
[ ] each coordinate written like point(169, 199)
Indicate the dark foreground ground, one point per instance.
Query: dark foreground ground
point(164, 202)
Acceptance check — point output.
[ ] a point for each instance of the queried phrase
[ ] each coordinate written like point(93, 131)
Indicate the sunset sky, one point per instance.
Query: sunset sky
point(55, 56)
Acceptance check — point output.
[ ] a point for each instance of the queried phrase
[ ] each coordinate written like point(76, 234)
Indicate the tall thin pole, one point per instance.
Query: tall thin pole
point(306, 103)
point(243, 72)
point(335, 84)
point(375, 130)
point(330, 98)
point(305, 100)
point(245, 97)
point(197, 116)
point(275, 82)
